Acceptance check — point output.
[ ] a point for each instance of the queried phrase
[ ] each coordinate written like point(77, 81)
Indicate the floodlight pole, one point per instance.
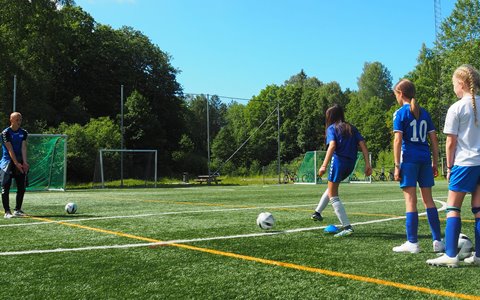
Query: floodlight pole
point(14, 93)
point(278, 140)
point(121, 133)
point(208, 137)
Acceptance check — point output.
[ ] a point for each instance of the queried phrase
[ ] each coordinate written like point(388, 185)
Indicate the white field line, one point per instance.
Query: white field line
point(182, 212)
point(185, 241)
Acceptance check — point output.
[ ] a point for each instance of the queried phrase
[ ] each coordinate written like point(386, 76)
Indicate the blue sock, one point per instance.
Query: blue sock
point(477, 237)
point(434, 221)
point(411, 224)
point(452, 230)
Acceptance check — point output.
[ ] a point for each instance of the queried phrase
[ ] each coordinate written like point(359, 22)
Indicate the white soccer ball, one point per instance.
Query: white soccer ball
point(71, 208)
point(265, 220)
point(465, 247)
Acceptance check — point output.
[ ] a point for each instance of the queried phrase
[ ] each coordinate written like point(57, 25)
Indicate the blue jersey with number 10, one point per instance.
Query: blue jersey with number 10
point(415, 132)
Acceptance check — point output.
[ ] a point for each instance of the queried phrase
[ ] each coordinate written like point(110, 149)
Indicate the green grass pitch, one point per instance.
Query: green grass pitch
point(201, 242)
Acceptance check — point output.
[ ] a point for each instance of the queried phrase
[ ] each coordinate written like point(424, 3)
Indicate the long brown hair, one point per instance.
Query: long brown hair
point(335, 115)
point(469, 75)
point(408, 90)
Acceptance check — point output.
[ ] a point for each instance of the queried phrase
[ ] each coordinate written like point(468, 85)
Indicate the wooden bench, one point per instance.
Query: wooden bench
point(208, 179)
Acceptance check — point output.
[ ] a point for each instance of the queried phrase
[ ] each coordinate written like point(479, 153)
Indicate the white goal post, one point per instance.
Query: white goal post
point(141, 165)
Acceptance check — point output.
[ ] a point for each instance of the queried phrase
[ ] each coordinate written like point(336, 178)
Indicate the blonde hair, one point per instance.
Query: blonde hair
point(469, 75)
point(408, 90)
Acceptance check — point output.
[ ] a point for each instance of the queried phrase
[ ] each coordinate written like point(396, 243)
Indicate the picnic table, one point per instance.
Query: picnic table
point(208, 179)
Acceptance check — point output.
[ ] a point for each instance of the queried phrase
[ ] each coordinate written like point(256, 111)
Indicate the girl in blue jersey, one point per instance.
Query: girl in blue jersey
point(462, 128)
point(412, 126)
point(343, 140)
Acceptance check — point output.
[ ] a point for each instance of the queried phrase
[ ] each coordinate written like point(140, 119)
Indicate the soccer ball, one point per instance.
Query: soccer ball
point(265, 220)
point(465, 247)
point(71, 208)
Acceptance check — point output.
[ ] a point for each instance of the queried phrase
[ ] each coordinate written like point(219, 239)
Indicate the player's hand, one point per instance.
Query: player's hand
point(435, 170)
point(396, 174)
point(448, 175)
point(19, 166)
point(322, 171)
point(26, 167)
point(368, 170)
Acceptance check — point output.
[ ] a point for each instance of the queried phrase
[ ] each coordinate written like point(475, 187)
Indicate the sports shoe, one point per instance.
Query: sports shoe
point(18, 213)
point(444, 261)
point(345, 232)
point(438, 246)
point(316, 216)
point(407, 247)
point(472, 260)
point(8, 215)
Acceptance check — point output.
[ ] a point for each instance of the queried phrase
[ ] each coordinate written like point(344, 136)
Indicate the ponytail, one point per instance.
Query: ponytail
point(469, 75)
point(414, 108)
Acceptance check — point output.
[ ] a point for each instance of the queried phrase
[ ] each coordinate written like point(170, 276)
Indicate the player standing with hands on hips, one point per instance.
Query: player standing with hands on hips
point(411, 126)
point(14, 164)
point(343, 140)
point(462, 127)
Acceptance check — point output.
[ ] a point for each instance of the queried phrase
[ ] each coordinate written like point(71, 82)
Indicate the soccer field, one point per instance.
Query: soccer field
point(201, 242)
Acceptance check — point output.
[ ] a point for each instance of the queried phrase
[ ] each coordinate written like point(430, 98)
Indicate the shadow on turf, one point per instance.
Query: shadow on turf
point(64, 216)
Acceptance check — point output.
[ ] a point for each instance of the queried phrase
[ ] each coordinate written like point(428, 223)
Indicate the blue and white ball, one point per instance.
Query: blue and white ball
point(71, 208)
point(265, 220)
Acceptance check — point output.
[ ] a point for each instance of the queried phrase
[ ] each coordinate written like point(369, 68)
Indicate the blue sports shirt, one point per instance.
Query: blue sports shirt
point(347, 146)
point(16, 138)
point(415, 148)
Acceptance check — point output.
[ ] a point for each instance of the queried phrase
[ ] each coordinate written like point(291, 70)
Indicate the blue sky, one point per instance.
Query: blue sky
point(235, 48)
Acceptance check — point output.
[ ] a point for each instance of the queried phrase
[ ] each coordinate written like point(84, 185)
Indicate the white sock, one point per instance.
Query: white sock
point(340, 211)
point(323, 202)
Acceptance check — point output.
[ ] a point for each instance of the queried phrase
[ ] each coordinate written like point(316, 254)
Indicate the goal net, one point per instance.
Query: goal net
point(307, 172)
point(47, 156)
point(125, 168)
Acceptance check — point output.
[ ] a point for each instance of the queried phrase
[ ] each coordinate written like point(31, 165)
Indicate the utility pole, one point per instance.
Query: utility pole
point(14, 93)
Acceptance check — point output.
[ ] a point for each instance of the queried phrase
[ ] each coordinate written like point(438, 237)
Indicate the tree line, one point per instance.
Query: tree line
point(70, 69)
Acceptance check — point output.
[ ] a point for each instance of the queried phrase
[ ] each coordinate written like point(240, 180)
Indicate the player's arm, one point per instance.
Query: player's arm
point(364, 149)
point(26, 166)
point(18, 165)
point(450, 146)
point(397, 150)
point(434, 146)
point(331, 148)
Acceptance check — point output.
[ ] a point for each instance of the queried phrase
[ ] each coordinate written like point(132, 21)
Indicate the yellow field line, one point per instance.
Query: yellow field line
point(277, 263)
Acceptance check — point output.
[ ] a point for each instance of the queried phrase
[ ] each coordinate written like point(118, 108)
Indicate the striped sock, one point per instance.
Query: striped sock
point(340, 211)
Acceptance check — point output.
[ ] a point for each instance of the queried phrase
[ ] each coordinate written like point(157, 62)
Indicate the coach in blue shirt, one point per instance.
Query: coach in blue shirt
point(14, 164)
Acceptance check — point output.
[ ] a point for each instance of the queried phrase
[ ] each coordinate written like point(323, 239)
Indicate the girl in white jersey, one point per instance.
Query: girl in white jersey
point(462, 127)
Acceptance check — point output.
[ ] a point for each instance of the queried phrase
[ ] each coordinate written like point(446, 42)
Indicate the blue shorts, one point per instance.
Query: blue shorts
point(464, 179)
point(411, 173)
point(340, 170)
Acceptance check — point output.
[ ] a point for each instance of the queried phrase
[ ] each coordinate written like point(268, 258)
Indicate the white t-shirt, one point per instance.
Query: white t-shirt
point(460, 121)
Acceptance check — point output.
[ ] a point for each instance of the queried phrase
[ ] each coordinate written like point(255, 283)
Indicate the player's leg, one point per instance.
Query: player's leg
point(338, 172)
point(317, 215)
point(20, 181)
point(408, 184)
point(426, 181)
point(475, 259)
point(433, 219)
point(6, 182)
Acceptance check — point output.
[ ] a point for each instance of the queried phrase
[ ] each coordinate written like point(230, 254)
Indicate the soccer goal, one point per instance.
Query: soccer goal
point(47, 156)
point(307, 172)
point(125, 168)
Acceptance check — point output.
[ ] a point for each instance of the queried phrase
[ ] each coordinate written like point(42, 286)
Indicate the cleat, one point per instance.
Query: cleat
point(345, 232)
point(316, 216)
point(444, 261)
point(472, 260)
point(18, 213)
point(8, 215)
point(407, 247)
point(438, 246)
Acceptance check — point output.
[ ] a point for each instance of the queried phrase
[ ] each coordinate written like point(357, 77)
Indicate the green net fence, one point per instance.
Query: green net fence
point(47, 156)
point(307, 172)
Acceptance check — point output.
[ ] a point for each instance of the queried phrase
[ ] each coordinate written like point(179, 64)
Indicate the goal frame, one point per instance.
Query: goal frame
point(100, 152)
